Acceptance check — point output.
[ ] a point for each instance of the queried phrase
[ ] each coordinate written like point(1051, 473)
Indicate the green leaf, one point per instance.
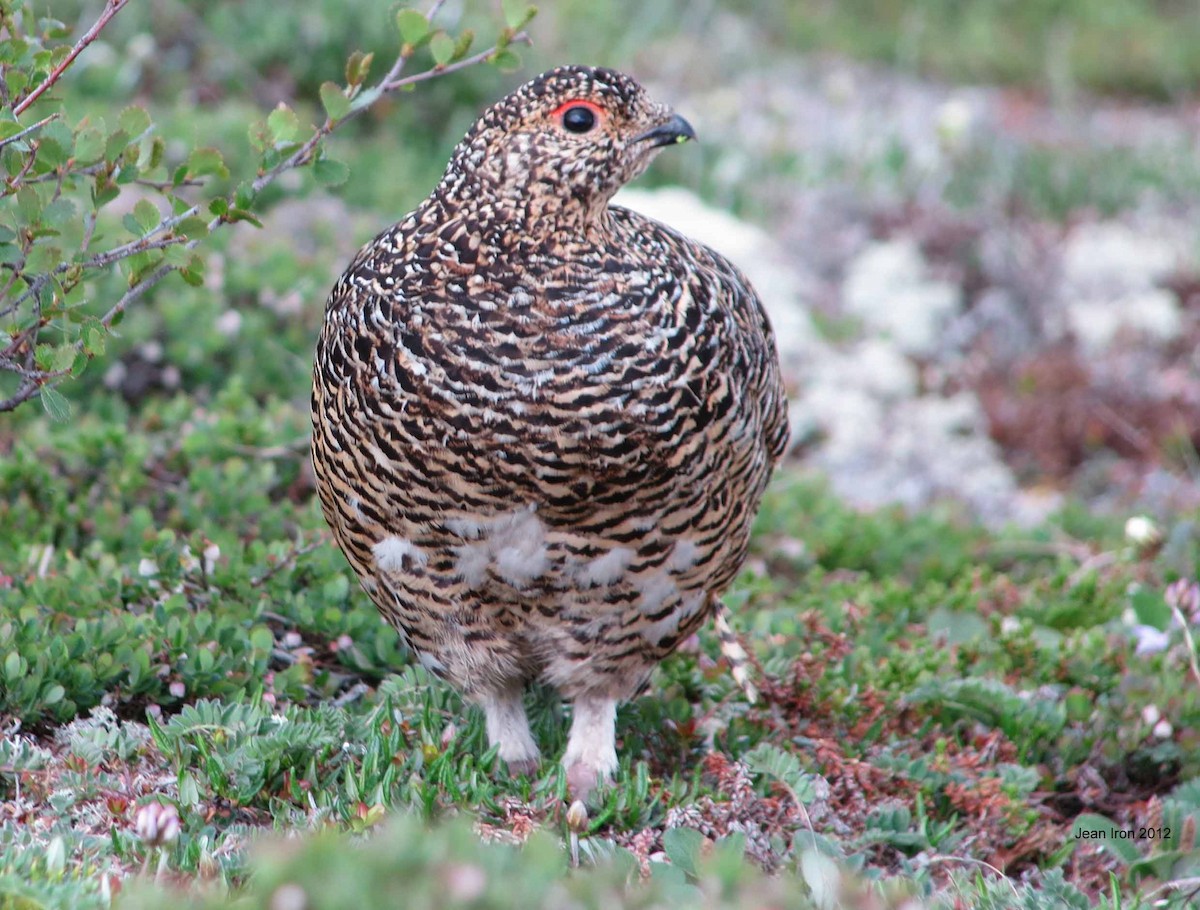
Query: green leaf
point(1151, 609)
point(413, 25)
point(53, 695)
point(358, 65)
point(42, 259)
point(334, 100)
point(441, 46)
point(56, 404)
point(193, 272)
point(12, 661)
point(283, 124)
point(189, 789)
point(206, 161)
point(463, 44)
point(29, 204)
point(783, 766)
point(513, 11)
point(262, 639)
point(145, 213)
point(115, 145)
point(367, 98)
point(64, 358)
point(58, 212)
point(193, 227)
point(89, 145)
point(243, 196)
point(158, 148)
point(51, 152)
point(517, 13)
point(506, 60)
point(956, 627)
point(682, 846)
point(105, 191)
point(93, 340)
point(9, 128)
point(134, 121)
point(331, 172)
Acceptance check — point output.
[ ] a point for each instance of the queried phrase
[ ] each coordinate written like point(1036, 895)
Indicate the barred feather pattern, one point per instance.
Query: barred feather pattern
point(543, 423)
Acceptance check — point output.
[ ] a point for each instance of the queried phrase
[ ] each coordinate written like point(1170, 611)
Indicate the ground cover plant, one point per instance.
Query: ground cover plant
point(199, 707)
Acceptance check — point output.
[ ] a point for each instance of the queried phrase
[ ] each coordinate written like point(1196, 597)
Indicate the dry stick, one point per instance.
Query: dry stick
point(111, 9)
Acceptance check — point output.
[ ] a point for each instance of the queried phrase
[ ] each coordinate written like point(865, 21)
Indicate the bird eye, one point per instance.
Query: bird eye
point(578, 119)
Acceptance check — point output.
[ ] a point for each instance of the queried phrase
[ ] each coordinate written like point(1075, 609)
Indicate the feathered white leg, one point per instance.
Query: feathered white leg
point(591, 756)
point(508, 728)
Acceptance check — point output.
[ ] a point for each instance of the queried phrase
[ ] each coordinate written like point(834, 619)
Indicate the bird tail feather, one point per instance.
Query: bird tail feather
point(732, 650)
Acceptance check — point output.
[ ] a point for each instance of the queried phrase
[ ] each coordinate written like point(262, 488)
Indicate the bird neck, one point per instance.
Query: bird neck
point(513, 198)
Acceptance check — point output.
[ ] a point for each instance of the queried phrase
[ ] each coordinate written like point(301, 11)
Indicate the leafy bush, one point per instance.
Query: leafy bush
point(100, 209)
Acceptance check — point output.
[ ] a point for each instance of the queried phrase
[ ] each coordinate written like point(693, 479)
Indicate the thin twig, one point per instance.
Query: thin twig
point(294, 554)
point(519, 38)
point(111, 9)
point(134, 293)
point(276, 452)
point(942, 858)
point(1187, 637)
point(389, 83)
point(29, 129)
point(1178, 884)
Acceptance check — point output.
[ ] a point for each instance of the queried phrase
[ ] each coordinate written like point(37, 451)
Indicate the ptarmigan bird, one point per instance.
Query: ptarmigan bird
point(542, 423)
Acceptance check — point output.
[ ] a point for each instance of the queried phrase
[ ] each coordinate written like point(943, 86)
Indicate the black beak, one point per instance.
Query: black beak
point(674, 130)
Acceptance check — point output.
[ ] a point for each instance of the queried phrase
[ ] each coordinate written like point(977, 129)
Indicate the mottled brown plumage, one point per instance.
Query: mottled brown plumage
point(542, 424)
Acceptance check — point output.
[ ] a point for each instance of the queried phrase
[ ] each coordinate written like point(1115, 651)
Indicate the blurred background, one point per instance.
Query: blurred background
point(974, 221)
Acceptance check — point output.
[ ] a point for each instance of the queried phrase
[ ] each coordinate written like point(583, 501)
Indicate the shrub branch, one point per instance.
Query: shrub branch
point(17, 357)
point(111, 8)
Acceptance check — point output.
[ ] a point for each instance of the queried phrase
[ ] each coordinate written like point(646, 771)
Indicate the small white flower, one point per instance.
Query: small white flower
point(157, 824)
point(229, 323)
point(1163, 729)
point(211, 554)
point(147, 567)
point(187, 561)
point(1142, 531)
point(1010, 625)
point(177, 689)
point(1150, 715)
point(954, 120)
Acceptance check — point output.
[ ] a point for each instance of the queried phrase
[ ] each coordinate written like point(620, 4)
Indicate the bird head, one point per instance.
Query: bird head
point(567, 140)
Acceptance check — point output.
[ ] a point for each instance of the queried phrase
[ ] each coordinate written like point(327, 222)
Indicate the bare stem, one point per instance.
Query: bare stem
point(111, 9)
point(1188, 640)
